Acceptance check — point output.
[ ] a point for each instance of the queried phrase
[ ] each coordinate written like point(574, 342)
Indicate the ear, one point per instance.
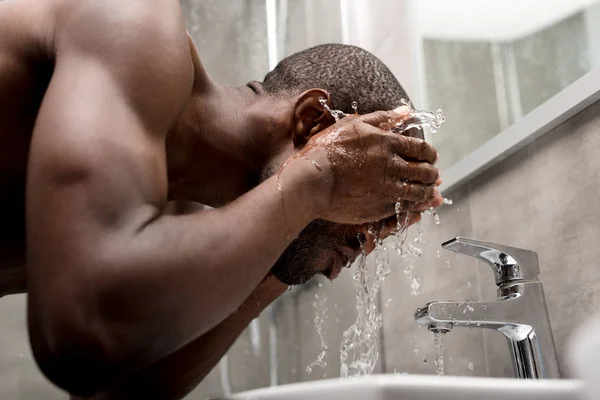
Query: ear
point(309, 116)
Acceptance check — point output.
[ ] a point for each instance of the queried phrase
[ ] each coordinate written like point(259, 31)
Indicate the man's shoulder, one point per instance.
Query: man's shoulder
point(133, 21)
point(143, 45)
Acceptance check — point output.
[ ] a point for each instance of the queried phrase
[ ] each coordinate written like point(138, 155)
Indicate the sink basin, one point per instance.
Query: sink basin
point(420, 387)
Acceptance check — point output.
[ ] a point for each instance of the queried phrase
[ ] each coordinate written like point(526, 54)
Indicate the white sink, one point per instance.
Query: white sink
point(420, 387)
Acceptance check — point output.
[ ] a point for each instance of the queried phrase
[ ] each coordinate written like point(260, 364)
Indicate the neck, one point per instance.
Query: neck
point(219, 148)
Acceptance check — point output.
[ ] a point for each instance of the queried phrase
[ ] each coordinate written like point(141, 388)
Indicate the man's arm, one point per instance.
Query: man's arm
point(115, 282)
point(178, 374)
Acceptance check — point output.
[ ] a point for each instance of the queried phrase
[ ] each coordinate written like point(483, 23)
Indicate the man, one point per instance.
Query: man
point(112, 134)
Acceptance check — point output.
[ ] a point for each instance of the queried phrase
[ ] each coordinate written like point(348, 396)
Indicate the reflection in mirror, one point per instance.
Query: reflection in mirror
point(488, 63)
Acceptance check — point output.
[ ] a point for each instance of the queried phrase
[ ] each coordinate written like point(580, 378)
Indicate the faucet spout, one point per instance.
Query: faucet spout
point(508, 263)
point(445, 315)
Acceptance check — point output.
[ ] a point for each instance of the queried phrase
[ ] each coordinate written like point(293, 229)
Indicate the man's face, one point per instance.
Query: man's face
point(323, 247)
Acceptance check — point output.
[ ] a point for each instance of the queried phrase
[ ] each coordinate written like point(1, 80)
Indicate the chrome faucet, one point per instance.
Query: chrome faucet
point(519, 312)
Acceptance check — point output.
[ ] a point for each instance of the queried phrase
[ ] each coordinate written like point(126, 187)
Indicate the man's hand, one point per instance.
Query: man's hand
point(366, 170)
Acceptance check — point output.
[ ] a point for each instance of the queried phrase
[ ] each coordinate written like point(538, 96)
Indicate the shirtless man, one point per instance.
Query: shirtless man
point(111, 134)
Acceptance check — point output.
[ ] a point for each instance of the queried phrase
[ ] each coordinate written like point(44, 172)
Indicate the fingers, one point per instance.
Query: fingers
point(411, 192)
point(384, 228)
point(419, 172)
point(390, 225)
point(410, 148)
point(386, 119)
point(433, 202)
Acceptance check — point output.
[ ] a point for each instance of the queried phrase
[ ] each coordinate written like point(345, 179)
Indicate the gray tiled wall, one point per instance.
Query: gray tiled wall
point(544, 198)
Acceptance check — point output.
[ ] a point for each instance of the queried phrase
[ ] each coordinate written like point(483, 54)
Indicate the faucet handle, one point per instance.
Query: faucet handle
point(508, 263)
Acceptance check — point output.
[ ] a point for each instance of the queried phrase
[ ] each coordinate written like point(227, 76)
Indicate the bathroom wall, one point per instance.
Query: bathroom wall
point(542, 198)
point(545, 198)
point(231, 38)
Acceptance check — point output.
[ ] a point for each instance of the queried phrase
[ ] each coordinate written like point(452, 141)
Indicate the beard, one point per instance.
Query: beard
point(307, 255)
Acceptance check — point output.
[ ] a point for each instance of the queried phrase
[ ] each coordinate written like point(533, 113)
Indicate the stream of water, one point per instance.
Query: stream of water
point(359, 347)
point(320, 306)
point(438, 342)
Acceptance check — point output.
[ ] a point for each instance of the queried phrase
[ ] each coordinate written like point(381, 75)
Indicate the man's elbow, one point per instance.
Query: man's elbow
point(74, 346)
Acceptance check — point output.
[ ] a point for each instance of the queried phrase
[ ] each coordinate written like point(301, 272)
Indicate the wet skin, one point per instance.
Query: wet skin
point(111, 134)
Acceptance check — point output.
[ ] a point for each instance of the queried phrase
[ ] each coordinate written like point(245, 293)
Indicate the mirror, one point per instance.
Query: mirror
point(487, 64)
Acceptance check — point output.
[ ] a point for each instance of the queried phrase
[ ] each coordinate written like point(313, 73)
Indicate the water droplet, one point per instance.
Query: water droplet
point(468, 283)
point(437, 254)
point(448, 264)
point(389, 303)
point(448, 201)
point(471, 366)
point(317, 166)
point(355, 107)
point(320, 285)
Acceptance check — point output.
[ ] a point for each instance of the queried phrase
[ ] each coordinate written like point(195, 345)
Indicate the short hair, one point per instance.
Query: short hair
point(348, 73)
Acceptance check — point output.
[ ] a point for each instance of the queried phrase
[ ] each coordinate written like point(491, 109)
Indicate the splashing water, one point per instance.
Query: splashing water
point(433, 214)
point(419, 119)
point(359, 347)
point(358, 350)
point(438, 342)
point(320, 306)
point(336, 114)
